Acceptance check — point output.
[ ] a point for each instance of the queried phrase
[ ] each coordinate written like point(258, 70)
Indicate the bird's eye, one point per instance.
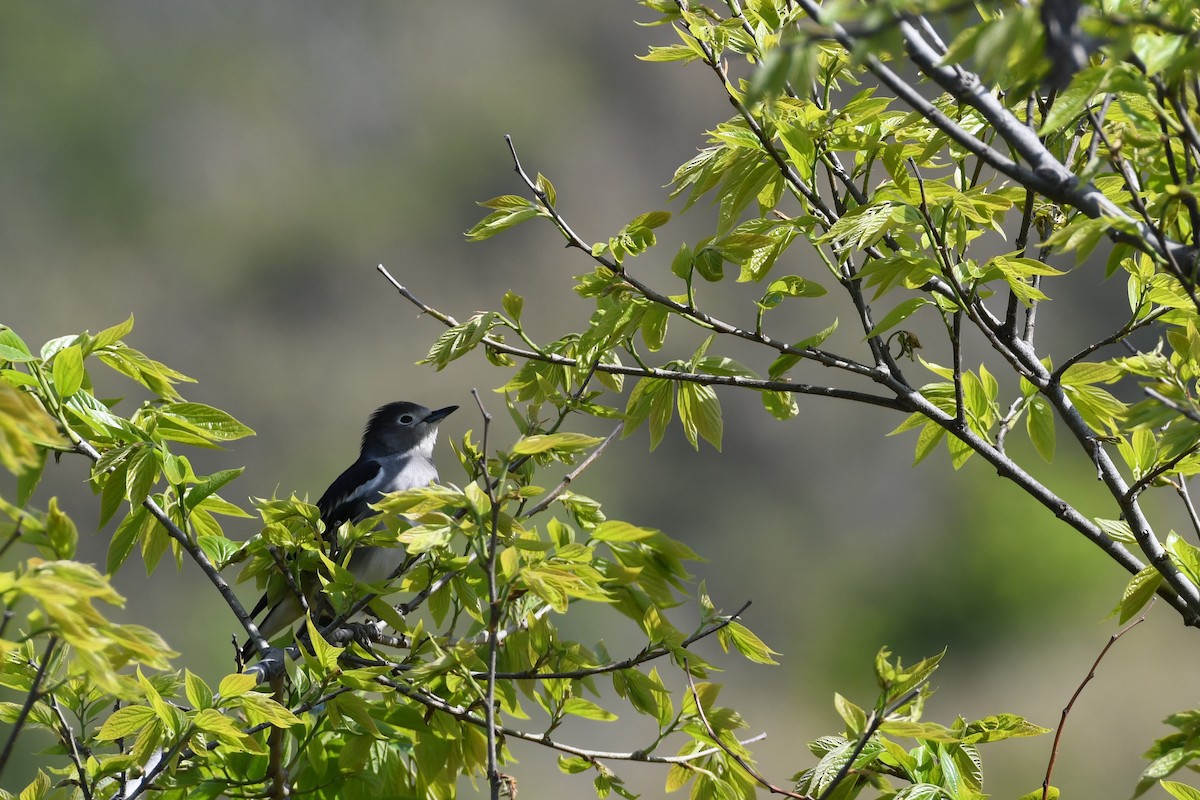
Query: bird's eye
point(406, 419)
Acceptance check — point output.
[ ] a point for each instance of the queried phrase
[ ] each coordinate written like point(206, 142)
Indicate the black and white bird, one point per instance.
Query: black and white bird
point(396, 454)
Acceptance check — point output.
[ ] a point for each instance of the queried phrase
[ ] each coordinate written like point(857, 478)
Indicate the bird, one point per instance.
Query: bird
point(396, 454)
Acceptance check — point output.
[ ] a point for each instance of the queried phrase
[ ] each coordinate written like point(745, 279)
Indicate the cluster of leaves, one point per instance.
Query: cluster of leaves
point(1074, 134)
point(945, 763)
point(484, 574)
point(59, 651)
point(483, 587)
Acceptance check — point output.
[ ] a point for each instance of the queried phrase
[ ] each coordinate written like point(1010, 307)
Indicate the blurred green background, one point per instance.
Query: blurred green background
point(231, 173)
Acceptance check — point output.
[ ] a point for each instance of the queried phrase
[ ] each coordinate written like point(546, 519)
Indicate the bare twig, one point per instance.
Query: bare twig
point(1182, 490)
point(1078, 691)
point(1117, 336)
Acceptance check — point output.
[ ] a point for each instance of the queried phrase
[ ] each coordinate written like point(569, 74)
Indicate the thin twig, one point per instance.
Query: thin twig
point(873, 722)
point(545, 502)
point(72, 747)
point(1187, 411)
point(692, 377)
point(464, 715)
point(701, 318)
point(741, 762)
point(1079, 690)
point(31, 697)
point(494, 608)
point(649, 654)
point(1117, 336)
point(1182, 490)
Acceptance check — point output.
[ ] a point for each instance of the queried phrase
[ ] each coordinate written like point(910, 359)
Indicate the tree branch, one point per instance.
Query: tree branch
point(677, 375)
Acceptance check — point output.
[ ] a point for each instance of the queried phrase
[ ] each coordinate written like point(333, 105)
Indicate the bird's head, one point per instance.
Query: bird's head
point(402, 427)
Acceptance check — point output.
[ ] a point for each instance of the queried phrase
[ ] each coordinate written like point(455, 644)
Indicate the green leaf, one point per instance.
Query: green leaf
point(1040, 427)
point(1117, 529)
point(681, 264)
point(236, 684)
point(13, 347)
point(654, 326)
point(709, 263)
point(579, 707)
point(1138, 592)
point(1074, 101)
point(789, 286)
point(1099, 409)
point(931, 433)
point(651, 219)
point(210, 485)
point(1051, 793)
point(214, 423)
point(700, 413)
point(898, 315)
point(617, 531)
point(125, 723)
point(747, 643)
point(928, 731)
point(650, 399)
point(854, 717)
point(513, 304)
point(323, 654)
point(674, 52)
point(1180, 790)
point(860, 227)
point(198, 693)
point(141, 474)
point(781, 405)
point(112, 335)
point(559, 442)
point(218, 549)
point(501, 220)
point(459, 340)
point(1085, 373)
point(68, 371)
point(125, 537)
point(61, 531)
point(545, 187)
point(999, 727)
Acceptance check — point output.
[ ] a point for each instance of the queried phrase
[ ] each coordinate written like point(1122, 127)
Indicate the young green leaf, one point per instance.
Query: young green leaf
point(557, 442)
point(68, 371)
point(1040, 427)
point(898, 315)
point(700, 413)
point(1138, 592)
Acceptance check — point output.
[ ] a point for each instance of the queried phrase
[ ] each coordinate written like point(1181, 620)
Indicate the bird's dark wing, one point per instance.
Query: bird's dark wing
point(348, 496)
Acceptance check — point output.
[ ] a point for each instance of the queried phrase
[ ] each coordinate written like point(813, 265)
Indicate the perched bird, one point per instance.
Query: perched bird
point(396, 454)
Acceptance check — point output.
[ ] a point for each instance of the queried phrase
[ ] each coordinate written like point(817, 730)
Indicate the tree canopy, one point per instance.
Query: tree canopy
point(938, 171)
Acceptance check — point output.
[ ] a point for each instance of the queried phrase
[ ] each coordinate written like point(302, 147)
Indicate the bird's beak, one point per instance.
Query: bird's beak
point(440, 414)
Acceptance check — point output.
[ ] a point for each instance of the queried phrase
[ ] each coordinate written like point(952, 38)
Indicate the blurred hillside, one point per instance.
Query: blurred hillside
point(231, 173)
